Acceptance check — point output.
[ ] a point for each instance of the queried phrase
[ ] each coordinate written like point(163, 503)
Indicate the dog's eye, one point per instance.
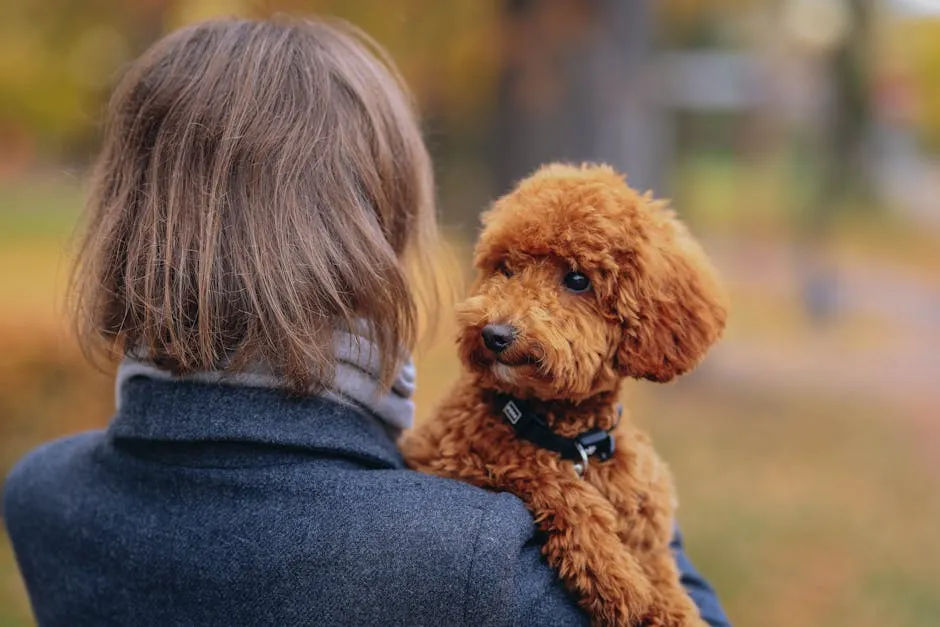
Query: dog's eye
point(577, 282)
point(505, 270)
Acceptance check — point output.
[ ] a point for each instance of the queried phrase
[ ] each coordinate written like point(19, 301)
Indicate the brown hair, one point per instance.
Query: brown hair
point(261, 184)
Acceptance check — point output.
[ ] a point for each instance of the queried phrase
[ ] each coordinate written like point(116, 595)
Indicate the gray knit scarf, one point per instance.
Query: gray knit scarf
point(356, 383)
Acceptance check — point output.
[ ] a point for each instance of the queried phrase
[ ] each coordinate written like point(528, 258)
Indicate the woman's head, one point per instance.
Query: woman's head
point(260, 185)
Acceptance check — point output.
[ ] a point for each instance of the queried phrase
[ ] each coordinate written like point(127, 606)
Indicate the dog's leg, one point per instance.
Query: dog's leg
point(580, 524)
point(583, 546)
point(638, 485)
point(581, 538)
point(672, 605)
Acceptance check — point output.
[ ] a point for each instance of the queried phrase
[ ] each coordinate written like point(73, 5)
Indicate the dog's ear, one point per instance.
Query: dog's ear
point(668, 300)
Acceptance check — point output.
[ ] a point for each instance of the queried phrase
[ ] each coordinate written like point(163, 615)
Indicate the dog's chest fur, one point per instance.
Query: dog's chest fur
point(468, 439)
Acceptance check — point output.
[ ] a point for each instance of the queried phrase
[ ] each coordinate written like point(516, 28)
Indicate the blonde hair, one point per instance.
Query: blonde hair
point(260, 186)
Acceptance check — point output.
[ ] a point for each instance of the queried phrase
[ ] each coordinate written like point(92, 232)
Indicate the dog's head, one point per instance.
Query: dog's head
point(581, 281)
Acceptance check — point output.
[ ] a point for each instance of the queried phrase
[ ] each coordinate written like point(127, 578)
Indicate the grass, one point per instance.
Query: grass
point(801, 508)
point(14, 607)
point(37, 219)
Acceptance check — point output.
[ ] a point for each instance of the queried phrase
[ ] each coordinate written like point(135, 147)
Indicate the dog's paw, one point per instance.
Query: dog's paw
point(623, 605)
point(659, 616)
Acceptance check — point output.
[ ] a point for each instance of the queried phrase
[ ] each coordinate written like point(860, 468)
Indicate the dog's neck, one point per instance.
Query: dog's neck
point(568, 418)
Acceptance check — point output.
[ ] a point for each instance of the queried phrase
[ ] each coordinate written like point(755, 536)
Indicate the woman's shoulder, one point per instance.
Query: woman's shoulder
point(491, 543)
point(53, 461)
point(440, 493)
point(443, 514)
point(410, 538)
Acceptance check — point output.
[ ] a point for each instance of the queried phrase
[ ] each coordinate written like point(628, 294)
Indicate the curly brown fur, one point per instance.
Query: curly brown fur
point(652, 312)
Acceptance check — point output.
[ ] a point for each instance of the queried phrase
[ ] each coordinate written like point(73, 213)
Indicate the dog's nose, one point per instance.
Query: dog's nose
point(498, 337)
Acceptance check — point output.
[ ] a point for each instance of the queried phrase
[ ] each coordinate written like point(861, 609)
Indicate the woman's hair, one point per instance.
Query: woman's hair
point(261, 184)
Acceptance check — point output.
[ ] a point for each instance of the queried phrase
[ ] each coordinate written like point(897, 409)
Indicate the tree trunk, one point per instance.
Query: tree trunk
point(574, 88)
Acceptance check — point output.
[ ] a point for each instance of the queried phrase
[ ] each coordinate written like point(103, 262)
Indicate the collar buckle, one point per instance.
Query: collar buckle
point(581, 466)
point(597, 442)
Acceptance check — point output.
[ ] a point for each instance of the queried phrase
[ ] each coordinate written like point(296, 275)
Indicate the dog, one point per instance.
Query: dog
point(581, 283)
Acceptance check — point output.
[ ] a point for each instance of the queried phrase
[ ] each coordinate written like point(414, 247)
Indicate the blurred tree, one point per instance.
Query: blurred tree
point(698, 23)
point(444, 49)
point(849, 67)
point(916, 45)
point(572, 87)
point(844, 143)
point(564, 72)
point(57, 58)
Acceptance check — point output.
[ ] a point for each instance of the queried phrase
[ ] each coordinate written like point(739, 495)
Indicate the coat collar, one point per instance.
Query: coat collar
point(182, 411)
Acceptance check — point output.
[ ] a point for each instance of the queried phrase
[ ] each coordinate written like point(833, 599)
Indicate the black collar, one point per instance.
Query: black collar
point(530, 426)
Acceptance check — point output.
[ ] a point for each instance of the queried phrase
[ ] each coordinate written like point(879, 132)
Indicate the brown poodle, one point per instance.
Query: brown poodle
point(581, 283)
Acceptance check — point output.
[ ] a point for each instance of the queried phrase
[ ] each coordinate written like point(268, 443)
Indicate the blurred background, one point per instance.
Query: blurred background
point(799, 138)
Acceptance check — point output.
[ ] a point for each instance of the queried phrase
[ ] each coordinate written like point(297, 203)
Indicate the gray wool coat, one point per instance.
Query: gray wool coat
point(218, 505)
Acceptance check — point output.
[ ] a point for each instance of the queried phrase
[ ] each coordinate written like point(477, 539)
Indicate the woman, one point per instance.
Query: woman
point(260, 188)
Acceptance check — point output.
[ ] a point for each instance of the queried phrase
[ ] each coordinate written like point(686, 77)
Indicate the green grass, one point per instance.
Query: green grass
point(37, 219)
point(802, 510)
point(39, 208)
point(14, 608)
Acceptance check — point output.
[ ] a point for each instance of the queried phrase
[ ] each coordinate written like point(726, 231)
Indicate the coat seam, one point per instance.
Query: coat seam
point(470, 570)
